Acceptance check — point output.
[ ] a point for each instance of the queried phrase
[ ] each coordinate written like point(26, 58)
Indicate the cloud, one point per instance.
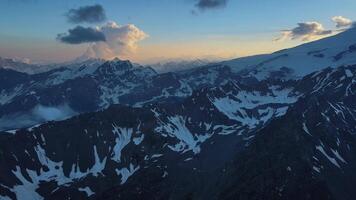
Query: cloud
point(305, 31)
point(86, 14)
point(120, 41)
point(210, 4)
point(37, 115)
point(80, 35)
point(342, 22)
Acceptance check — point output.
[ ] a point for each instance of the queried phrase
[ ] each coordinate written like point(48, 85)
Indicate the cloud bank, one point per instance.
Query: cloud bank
point(119, 41)
point(305, 31)
point(86, 14)
point(342, 22)
point(80, 35)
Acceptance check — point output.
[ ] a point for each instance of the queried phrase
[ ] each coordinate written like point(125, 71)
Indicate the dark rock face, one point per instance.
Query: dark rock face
point(339, 56)
point(298, 157)
point(10, 78)
point(270, 139)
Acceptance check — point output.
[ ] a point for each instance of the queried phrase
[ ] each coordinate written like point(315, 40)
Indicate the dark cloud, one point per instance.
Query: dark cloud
point(305, 31)
point(80, 35)
point(210, 4)
point(313, 28)
point(87, 14)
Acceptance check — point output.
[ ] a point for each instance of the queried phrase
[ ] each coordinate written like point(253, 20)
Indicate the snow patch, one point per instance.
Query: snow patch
point(87, 191)
point(126, 172)
point(53, 171)
point(305, 128)
point(123, 138)
point(176, 128)
point(331, 159)
point(237, 107)
point(348, 73)
point(316, 169)
point(138, 140)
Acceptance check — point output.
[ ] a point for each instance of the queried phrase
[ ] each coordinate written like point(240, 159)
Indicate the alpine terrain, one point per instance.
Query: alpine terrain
point(274, 126)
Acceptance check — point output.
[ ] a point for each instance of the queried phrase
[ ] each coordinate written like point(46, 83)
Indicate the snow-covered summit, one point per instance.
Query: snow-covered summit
point(296, 62)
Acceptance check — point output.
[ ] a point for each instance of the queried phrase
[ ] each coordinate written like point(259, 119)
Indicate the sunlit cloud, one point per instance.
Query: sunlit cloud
point(342, 22)
point(305, 31)
point(106, 41)
point(120, 41)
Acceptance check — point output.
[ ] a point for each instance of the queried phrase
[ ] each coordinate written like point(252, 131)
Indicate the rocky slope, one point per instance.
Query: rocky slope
point(273, 139)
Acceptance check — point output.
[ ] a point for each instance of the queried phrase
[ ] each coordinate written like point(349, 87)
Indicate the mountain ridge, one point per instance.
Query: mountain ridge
point(154, 146)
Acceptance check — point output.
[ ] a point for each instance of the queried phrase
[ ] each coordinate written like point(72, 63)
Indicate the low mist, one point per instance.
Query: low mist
point(37, 115)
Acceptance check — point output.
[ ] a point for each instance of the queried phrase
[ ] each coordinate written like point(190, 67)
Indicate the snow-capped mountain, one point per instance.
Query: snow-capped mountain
point(262, 127)
point(83, 88)
point(96, 84)
point(299, 61)
point(269, 139)
point(93, 87)
point(7, 63)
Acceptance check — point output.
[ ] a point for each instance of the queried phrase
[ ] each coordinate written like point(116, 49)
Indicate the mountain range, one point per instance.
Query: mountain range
point(179, 65)
point(275, 126)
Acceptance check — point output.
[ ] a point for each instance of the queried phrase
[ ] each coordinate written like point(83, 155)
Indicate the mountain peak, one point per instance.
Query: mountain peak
point(115, 66)
point(116, 59)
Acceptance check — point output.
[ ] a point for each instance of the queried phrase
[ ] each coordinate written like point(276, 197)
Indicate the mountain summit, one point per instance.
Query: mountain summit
point(299, 61)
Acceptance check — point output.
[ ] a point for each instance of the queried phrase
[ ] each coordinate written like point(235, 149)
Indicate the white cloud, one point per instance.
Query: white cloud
point(120, 41)
point(342, 22)
point(305, 31)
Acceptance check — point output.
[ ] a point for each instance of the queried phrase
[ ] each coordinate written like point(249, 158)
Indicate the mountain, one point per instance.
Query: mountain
point(179, 65)
point(268, 139)
point(95, 84)
point(87, 87)
point(7, 63)
point(299, 61)
point(306, 154)
point(277, 126)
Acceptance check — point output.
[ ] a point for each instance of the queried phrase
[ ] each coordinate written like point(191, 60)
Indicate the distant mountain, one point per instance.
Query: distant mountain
point(7, 63)
point(269, 139)
point(86, 87)
point(19, 66)
point(179, 65)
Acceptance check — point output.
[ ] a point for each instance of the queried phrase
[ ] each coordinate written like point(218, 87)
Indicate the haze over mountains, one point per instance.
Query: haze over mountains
point(275, 126)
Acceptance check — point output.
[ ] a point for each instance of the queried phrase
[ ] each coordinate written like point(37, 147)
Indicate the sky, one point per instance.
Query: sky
point(152, 30)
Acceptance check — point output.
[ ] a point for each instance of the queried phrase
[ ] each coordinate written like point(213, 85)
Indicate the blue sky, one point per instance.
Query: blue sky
point(29, 27)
